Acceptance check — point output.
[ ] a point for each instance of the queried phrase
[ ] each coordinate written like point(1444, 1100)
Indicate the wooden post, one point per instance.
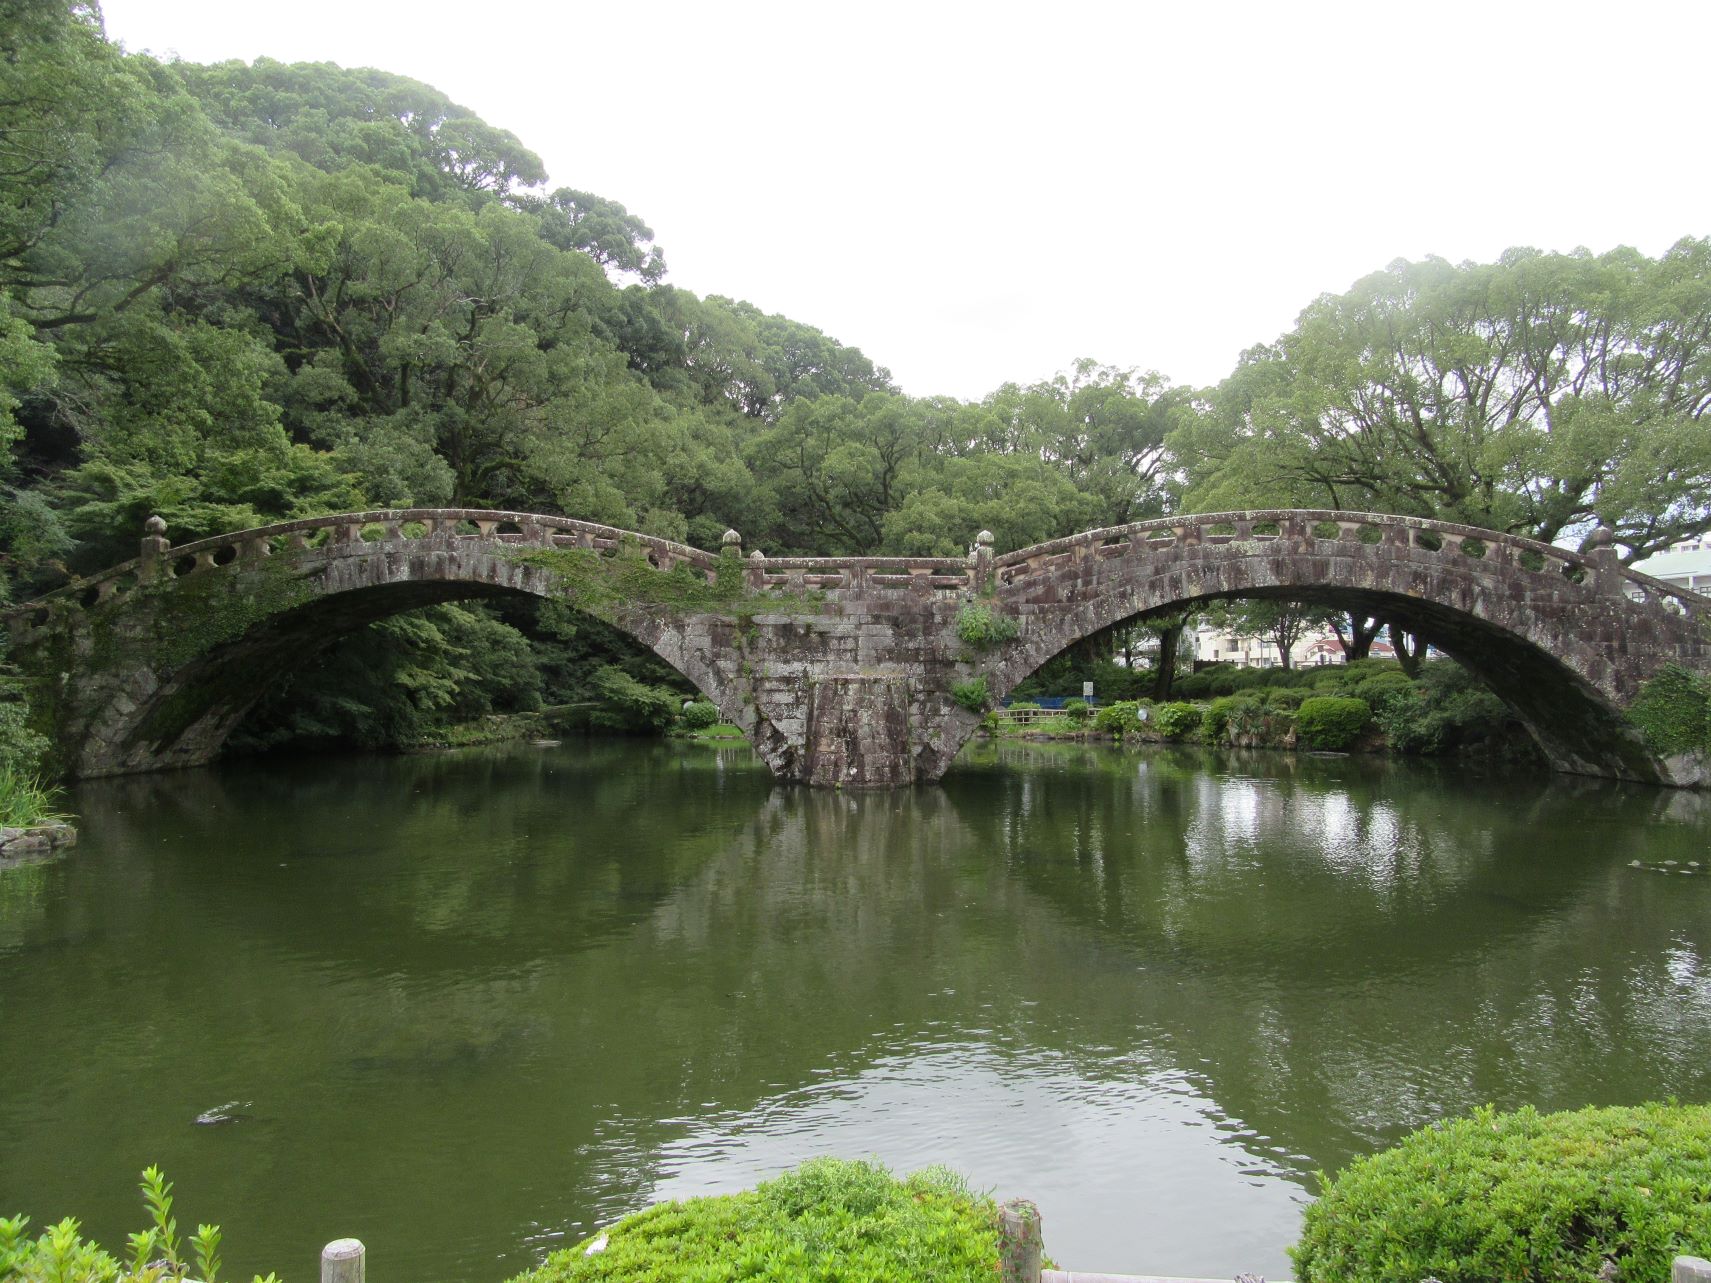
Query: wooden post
point(342, 1261)
point(1019, 1242)
point(1690, 1269)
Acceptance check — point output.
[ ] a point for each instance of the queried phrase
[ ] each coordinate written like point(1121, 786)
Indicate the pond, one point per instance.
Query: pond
point(471, 1006)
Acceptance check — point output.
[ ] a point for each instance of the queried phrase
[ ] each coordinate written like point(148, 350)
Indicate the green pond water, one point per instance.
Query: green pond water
point(479, 1004)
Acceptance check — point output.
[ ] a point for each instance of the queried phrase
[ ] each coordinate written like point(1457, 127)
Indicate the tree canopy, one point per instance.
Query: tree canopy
point(238, 293)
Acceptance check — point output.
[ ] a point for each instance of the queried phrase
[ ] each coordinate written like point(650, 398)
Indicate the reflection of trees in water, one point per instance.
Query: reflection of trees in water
point(521, 975)
point(1353, 950)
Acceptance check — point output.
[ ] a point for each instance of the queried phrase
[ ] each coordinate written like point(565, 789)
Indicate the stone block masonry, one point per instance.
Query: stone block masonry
point(843, 672)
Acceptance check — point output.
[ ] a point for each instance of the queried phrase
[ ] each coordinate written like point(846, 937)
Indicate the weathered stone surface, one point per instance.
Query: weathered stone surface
point(840, 671)
point(31, 843)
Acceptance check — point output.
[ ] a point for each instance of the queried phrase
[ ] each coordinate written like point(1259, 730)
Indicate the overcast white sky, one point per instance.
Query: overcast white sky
point(978, 193)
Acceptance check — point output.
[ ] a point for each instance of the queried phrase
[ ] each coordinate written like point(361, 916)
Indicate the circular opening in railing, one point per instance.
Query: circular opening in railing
point(1370, 535)
point(184, 565)
point(1327, 530)
point(1531, 559)
point(225, 556)
point(1472, 547)
point(1430, 540)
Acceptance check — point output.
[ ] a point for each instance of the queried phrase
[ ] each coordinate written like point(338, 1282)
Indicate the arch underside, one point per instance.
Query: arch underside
point(187, 719)
point(1578, 725)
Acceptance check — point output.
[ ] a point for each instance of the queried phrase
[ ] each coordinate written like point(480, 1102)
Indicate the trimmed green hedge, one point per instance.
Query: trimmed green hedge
point(698, 716)
point(1598, 1194)
point(1332, 721)
point(829, 1220)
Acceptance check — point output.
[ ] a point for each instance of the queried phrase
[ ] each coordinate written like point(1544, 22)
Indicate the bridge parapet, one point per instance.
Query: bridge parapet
point(1304, 529)
point(350, 530)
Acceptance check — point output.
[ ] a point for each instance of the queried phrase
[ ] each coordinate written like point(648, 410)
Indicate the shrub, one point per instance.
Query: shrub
point(827, 1220)
point(628, 706)
point(1374, 688)
point(1283, 697)
point(61, 1254)
point(1217, 718)
point(1332, 721)
point(1118, 719)
point(698, 716)
point(1023, 703)
point(1199, 685)
point(1591, 1195)
point(1174, 721)
point(971, 694)
point(978, 625)
point(1673, 711)
point(1076, 710)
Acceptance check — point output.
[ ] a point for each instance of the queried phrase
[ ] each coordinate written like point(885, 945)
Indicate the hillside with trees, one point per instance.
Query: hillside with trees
point(237, 294)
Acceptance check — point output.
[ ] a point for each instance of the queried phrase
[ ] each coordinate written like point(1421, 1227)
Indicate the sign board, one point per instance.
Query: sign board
point(1087, 690)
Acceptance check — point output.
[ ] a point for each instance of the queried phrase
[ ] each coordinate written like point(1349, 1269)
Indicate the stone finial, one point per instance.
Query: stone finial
point(756, 555)
point(155, 525)
point(731, 545)
point(1602, 537)
point(731, 537)
point(984, 539)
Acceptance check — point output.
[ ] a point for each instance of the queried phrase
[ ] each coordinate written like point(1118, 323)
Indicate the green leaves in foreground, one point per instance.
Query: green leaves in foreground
point(61, 1254)
point(830, 1219)
point(1597, 1194)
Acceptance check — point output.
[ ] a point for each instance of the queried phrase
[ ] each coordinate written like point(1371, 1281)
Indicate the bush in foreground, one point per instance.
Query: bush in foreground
point(1598, 1194)
point(830, 1219)
point(1332, 721)
point(60, 1254)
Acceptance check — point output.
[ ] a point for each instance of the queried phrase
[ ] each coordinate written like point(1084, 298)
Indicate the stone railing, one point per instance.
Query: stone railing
point(352, 531)
point(980, 570)
point(1306, 527)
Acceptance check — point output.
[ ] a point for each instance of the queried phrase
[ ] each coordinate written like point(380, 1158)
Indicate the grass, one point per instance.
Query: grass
point(828, 1220)
point(26, 801)
point(719, 732)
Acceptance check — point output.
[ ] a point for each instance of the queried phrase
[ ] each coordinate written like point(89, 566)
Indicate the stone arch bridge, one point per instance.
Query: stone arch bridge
point(857, 672)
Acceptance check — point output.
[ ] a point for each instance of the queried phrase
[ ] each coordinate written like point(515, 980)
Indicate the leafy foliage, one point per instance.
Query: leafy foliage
point(27, 800)
point(1177, 721)
point(698, 716)
point(978, 625)
point(1332, 721)
point(1598, 1194)
point(828, 1220)
point(1121, 718)
point(1531, 395)
point(1673, 711)
point(157, 1254)
point(971, 694)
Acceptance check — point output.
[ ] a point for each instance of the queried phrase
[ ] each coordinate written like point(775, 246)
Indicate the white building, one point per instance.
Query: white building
point(1686, 565)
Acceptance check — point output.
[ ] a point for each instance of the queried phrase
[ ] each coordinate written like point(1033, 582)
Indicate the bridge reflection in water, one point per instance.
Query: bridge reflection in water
point(1153, 992)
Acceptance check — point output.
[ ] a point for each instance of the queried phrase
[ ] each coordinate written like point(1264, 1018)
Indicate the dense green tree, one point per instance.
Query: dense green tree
point(1535, 395)
point(1104, 427)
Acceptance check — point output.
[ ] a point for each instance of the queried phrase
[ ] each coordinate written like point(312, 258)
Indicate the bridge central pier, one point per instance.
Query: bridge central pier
point(841, 676)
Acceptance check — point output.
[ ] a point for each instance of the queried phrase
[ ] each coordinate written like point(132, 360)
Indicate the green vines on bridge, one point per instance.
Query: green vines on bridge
point(603, 584)
point(201, 611)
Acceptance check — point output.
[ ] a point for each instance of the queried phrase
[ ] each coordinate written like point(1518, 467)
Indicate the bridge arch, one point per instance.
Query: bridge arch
point(177, 646)
point(855, 672)
point(1549, 630)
